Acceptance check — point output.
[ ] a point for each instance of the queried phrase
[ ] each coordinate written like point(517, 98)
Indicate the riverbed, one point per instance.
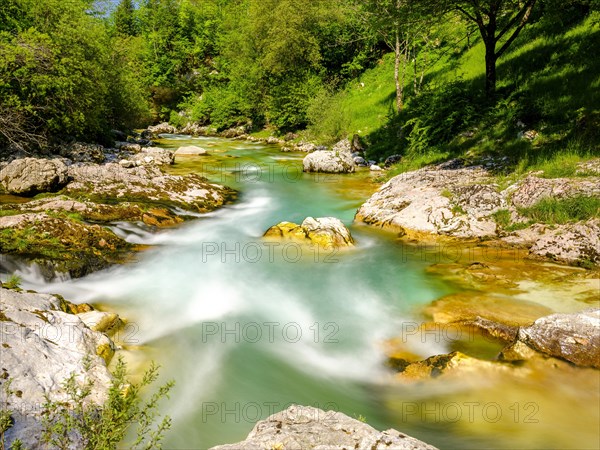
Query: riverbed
point(246, 327)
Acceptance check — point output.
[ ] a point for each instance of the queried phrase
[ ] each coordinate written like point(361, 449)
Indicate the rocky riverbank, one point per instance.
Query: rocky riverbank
point(464, 202)
point(44, 341)
point(67, 208)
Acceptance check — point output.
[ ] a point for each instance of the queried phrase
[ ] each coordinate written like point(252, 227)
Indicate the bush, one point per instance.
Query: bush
point(289, 100)
point(328, 119)
point(107, 426)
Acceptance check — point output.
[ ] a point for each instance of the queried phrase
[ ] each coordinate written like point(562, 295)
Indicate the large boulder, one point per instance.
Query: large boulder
point(130, 147)
point(29, 176)
point(146, 184)
point(83, 152)
point(69, 246)
point(324, 231)
point(329, 162)
point(439, 200)
point(573, 337)
point(161, 128)
point(42, 345)
point(153, 156)
point(307, 428)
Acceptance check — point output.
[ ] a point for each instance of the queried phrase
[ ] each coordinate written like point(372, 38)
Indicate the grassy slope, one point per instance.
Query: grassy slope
point(549, 80)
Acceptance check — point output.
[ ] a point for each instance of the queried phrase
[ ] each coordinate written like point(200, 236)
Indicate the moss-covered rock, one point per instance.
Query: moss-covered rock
point(74, 247)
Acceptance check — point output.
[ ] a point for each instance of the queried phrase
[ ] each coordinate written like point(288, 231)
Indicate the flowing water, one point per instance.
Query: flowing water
point(246, 328)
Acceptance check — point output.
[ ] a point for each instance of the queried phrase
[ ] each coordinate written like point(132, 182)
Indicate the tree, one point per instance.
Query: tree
point(400, 24)
point(125, 22)
point(62, 75)
point(499, 22)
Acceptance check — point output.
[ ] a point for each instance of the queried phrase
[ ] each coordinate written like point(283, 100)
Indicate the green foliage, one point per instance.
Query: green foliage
point(107, 426)
point(561, 211)
point(328, 117)
point(289, 100)
point(61, 76)
point(125, 20)
point(546, 83)
point(502, 217)
point(13, 282)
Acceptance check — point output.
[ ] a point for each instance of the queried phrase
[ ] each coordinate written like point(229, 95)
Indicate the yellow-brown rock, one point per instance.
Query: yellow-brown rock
point(325, 232)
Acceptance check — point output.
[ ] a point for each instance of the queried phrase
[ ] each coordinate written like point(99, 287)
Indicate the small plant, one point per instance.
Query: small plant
point(13, 282)
point(6, 420)
point(502, 217)
point(446, 193)
point(360, 418)
point(81, 422)
point(457, 209)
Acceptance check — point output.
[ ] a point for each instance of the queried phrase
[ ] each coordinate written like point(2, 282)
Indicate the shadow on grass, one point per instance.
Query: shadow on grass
point(546, 83)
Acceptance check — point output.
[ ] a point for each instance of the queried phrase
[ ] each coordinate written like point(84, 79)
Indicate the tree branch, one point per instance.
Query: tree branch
point(518, 29)
point(525, 10)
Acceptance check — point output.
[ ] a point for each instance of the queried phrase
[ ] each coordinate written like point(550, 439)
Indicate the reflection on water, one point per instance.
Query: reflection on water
point(246, 328)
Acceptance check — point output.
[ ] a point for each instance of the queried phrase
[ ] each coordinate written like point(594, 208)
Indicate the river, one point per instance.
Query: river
point(246, 328)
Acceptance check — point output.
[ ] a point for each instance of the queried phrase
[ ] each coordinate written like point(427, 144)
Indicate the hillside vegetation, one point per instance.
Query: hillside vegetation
point(548, 90)
point(428, 80)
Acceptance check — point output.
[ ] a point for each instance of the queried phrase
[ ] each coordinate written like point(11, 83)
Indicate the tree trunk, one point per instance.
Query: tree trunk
point(490, 68)
point(399, 84)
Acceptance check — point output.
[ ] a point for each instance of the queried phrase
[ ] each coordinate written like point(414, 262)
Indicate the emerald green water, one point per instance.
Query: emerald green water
point(245, 329)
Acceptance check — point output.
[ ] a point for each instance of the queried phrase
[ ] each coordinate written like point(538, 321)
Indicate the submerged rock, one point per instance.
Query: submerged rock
point(191, 150)
point(41, 347)
point(307, 428)
point(324, 232)
point(29, 176)
point(572, 337)
point(455, 364)
point(468, 306)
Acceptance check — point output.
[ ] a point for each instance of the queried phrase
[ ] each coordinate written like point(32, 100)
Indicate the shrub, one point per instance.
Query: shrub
point(106, 427)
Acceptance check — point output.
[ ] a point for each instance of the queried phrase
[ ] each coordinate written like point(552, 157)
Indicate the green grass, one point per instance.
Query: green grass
point(9, 212)
point(557, 164)
point(13, 282)
point(503, 219)
point(548, 80)
point(561, 211)
point(416, 162)
point(551, 211)
point(370, 98)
